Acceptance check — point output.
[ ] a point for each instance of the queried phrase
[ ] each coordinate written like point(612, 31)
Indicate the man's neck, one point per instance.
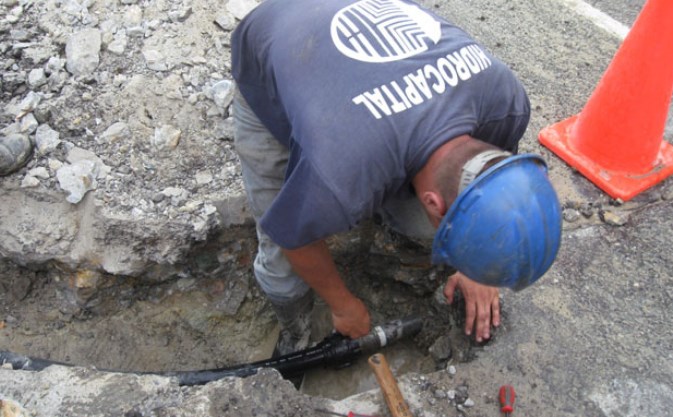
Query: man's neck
point(424, 180)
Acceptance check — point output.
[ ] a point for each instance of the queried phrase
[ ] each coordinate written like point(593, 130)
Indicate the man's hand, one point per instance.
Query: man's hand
point(482, 305)
point(352, 320)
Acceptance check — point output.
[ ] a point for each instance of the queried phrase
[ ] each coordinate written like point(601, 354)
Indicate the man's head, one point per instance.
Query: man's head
point(502, 228)
point(438, 183)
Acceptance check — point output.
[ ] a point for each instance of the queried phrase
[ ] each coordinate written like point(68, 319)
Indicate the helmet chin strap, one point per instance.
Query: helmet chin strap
point(474, 166)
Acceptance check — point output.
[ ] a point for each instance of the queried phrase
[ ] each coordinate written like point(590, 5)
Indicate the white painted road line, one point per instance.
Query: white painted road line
point(601, 19)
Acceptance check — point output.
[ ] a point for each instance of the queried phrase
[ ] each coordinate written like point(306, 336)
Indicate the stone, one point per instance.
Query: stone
point(15, 150)
point(46, 139)
point(11, 409)
point(118, 44)
point(441, 349)
point(240, 8)
point(225, 21)
point(82, 52)
point(223, 94)
point(29, 182)
point(115, 132)
point(612, 218)
point(28, 124)
point(571, 215)
point(27, 105)
point(166, 137)
point(37, 78)
point(155, 60)
point(77, 179)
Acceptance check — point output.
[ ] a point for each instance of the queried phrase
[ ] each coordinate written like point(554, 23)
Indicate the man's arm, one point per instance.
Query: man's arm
point(482, 305)
point(314, 264)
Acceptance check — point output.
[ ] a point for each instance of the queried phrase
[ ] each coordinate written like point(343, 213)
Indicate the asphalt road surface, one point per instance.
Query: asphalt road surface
point(593, 338)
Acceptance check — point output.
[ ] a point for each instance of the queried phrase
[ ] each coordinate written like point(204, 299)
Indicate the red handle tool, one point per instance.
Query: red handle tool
point(350, 413)
point(507, 397)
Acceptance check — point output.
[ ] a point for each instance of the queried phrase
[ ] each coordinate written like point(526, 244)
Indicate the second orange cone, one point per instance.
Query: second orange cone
point(617, 139)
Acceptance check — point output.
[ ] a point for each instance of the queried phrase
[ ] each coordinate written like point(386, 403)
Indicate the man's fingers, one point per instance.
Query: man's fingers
point(450, 288)
point(353, 322)
point(482, 305)
point(470, 315)
point(351, 329)
point(483, 324)
point(495, 311)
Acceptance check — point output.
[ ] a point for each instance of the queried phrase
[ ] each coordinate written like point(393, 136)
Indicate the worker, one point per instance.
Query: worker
point(349, 109)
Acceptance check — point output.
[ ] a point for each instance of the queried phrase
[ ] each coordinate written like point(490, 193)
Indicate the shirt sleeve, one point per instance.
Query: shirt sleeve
point(305, 210)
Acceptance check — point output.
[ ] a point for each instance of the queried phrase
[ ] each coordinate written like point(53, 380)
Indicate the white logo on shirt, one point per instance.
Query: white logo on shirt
point(383, 30)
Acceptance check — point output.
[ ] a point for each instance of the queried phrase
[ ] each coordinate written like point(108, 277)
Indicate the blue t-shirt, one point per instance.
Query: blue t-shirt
point(362, 92)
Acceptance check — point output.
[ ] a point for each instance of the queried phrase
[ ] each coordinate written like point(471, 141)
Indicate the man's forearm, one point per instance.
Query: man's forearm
point(315, 265)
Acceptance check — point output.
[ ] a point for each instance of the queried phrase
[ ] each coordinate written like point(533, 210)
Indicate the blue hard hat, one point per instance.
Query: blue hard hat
point(504, 229)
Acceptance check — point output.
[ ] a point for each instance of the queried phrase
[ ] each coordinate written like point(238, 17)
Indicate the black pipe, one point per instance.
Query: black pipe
point(334, 350)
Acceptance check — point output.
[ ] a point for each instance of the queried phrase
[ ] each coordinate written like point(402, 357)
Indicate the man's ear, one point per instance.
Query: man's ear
point(434, 204)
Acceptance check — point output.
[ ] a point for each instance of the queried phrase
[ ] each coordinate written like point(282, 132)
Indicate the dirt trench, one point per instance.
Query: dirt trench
point(208, 312)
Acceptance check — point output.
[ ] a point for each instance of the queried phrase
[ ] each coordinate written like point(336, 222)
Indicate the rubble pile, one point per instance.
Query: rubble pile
point(114, 118)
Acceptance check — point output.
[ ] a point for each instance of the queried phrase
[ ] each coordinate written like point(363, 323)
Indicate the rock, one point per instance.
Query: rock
point(440, 394)
point(203, 177)
point(77, 179)
point(118, 44)
point(667, 192)
point(82, 52)
point(46, 139)
point(15, 150)
point(155, 60)
point(240, 8)
point(39, 172)
point(77, 154)
point(133, 16)
point(571, 215)
point(14, 15)
point(177, 194)
point(223, 94)
point(55, 64)
point(27, 105)
point(29, 182)
point(13, 81)
point(612, 219)
point(116, 132)
point(587, 210)
point(441, 349)
point(37, 78)
point(9, 408)
point(181, 15)
point(462, 394)
point(28, 124)
point(166, 137)
point(225, 21)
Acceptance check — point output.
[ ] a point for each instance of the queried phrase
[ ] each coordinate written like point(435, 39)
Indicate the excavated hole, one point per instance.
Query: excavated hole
point(209, 312)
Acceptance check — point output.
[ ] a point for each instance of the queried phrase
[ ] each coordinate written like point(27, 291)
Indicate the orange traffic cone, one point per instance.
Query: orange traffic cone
point(617, 139)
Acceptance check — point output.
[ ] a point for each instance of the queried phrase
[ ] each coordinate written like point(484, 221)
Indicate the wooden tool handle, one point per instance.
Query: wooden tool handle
point(391, 392)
